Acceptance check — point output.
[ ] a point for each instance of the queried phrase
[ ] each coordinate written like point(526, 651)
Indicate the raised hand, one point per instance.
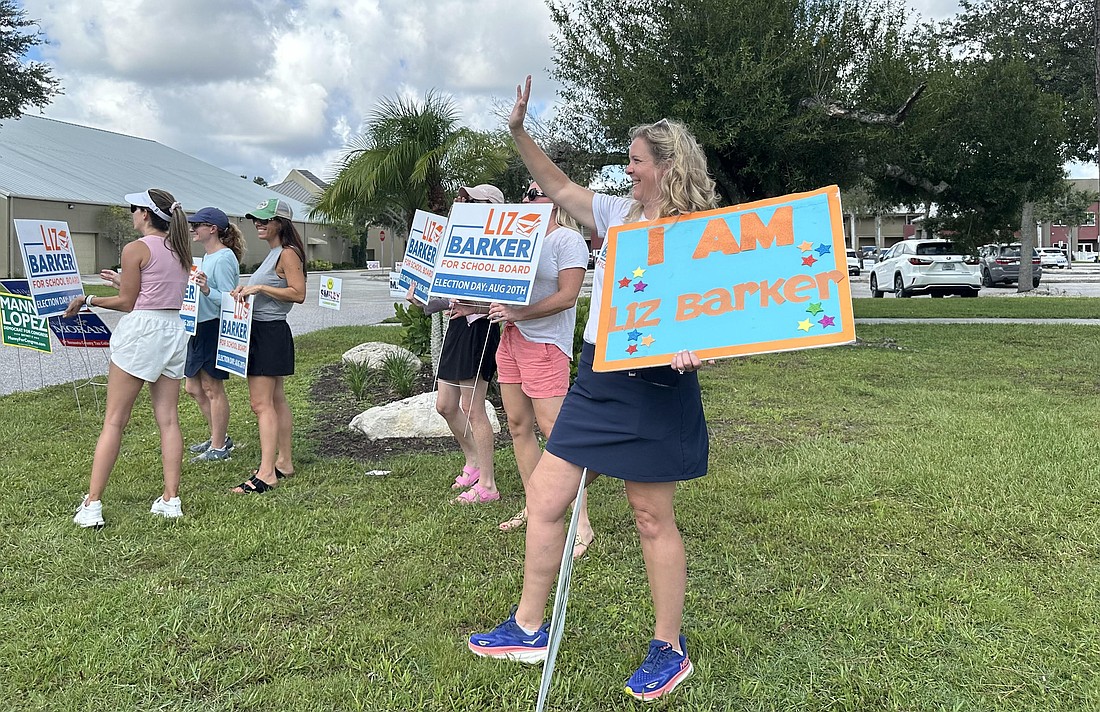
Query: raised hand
point(519, 110)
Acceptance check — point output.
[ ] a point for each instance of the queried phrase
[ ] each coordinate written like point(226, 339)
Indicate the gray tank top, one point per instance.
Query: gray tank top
point(264, 308)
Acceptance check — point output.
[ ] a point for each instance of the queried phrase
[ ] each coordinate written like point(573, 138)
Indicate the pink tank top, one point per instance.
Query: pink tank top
point(163, 278)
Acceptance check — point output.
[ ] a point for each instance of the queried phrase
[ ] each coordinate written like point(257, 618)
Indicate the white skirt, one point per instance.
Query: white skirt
point(150, 343)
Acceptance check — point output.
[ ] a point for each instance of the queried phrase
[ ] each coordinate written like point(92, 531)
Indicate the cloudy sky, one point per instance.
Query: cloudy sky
point(259, 87)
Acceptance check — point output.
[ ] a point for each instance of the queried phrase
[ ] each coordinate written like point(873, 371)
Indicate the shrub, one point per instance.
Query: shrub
point(400, 373)
point(318, 265)
point(359, 377)
point(418, 329)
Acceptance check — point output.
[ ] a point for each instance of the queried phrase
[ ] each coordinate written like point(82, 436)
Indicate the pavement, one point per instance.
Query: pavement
point(366, 300)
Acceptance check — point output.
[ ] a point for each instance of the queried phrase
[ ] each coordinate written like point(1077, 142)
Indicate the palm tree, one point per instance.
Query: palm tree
point(410, 156)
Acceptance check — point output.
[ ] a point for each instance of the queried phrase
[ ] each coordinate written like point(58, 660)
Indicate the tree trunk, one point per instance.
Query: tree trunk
point(852, 226)
point(1096, 48)
point(1027, 246)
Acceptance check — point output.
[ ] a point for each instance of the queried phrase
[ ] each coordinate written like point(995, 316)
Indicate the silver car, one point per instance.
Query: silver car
point(1000, 264)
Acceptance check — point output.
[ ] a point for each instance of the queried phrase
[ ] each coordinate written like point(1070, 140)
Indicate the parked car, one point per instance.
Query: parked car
point(855, 263)
point(935, 267)
point(1000, 264)
point(1051, 257)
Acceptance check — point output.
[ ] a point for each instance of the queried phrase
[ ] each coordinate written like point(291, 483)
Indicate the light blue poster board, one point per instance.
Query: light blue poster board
point(754, 278)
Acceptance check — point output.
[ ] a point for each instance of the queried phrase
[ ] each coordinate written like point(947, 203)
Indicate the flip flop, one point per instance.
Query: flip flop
point(578, 544)
point(253, 485)
point(468, 478)
point(516, 523)
point(476, 495)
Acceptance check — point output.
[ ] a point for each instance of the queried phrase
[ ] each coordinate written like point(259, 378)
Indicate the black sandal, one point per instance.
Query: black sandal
point(253, 485)
point(279, 474)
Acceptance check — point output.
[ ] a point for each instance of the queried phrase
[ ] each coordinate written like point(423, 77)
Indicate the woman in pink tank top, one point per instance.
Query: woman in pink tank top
point(148, 345)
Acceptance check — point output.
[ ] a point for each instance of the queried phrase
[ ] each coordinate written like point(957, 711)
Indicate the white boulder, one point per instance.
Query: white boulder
point(375, 352)
point(413, 417)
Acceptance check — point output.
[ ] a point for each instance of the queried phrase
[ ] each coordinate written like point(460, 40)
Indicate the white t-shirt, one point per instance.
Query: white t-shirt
point(608, 212)
point(563, 249)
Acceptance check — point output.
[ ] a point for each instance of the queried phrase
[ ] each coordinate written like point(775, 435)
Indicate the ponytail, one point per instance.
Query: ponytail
point(178, 240)
point(232, 238)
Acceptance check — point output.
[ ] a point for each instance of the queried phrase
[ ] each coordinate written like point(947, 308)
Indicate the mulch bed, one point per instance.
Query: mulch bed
point(336, 406)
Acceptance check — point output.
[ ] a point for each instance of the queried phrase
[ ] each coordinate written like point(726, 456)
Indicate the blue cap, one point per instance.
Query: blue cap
point(212, 216)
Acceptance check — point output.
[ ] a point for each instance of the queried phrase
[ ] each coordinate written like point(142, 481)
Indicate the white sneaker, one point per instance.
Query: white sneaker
point(169, 509)
point(89, 514)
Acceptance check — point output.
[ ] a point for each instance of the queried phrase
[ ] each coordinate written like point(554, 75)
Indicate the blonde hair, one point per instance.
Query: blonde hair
point(178, 240)
point(566, 220)
point(232, 238)
point(685, 187)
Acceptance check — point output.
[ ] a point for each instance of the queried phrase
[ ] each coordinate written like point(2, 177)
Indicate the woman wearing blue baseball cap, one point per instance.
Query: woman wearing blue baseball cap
point(221, 270)
point(278, 283)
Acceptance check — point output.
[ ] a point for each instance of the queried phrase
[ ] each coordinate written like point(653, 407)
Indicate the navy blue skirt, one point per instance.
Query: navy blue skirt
point(643, 426)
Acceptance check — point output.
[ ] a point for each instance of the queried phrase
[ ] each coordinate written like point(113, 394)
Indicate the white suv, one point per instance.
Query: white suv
point(935, 267)
point(1051, 257)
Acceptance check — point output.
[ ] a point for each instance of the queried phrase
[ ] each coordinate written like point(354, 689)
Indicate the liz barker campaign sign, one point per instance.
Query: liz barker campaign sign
point(754, 278)
point(490, 252)
point(189, 312)
point(50, 264)
point(234, 333)
point(418, 266)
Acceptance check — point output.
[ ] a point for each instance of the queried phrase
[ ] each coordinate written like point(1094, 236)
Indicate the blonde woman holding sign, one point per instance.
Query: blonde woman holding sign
point(148, 346)
point(645, 427)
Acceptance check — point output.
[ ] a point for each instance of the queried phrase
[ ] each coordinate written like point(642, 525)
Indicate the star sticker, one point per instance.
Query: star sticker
point(815, 308)
point(827, 321)
point(806, 246)
point(648, 340)
point(824, 249)
point(638, 272)
point(804, 325)
point(640, 286)
point(633, 335)
point(808, 260)
point(624, 282)
point(632, 349)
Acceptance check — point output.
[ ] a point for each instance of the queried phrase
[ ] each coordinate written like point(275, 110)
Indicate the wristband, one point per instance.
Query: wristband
point(88, 301)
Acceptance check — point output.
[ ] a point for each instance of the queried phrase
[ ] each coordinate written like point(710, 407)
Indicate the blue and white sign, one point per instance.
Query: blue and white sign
point(418, 266)
point(234, 334)
point(85, 330)
point(189, 312)
point(490, 252)
point(50, 264)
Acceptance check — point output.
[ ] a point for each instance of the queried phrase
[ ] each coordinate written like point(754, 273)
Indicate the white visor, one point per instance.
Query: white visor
point(143, 200)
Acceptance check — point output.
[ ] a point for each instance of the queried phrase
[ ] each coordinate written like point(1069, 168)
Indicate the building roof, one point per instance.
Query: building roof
point(292, 190)
point(301, 185)
point(53, 160)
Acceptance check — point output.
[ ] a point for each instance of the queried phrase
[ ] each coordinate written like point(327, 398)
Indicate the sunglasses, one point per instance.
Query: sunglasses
point(534, 193)
point(461, 199)
point(258, 221)
point(196, 226)
point(135, 208)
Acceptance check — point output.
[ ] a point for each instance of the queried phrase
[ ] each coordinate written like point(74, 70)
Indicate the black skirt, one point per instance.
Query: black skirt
point(202, 350)
point(469, 350)
point(644, 426)
point(271, 349)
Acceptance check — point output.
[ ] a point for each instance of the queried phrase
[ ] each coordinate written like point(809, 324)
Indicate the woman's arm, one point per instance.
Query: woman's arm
point(224, 278)
point(569, 286)
point(289, 267)
point(134, 256)
point(574, 199)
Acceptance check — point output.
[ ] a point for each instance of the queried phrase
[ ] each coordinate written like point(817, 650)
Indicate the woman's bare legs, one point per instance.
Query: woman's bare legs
point(663, 551)
point(122, 391)
point(462, 405)
point(165, 394)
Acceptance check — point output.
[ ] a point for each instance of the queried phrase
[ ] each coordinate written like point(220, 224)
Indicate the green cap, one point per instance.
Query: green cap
point(273, 208)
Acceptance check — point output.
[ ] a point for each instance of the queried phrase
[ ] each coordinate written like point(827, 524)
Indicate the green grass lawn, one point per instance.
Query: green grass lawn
point(1029, 307)
point(909, 524)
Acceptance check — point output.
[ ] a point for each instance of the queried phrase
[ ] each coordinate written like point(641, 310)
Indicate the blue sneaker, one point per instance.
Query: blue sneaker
point(661, 671)
point(508, 641)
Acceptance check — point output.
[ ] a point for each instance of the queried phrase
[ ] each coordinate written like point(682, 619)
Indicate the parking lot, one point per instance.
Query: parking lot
point(1081, 280)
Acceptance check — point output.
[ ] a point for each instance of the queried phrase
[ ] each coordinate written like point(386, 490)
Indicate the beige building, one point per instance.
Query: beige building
point(51, 170)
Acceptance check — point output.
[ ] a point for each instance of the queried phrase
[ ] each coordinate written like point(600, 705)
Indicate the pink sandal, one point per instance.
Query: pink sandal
point(476, 495)
point(468, 478)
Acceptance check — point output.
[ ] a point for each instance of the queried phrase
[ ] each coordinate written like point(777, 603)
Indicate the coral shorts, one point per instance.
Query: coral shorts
point(541, 370)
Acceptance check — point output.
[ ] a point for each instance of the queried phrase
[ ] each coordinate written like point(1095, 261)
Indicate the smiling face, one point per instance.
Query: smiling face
point(267, 230)
point(201, 232)
point(644, 172)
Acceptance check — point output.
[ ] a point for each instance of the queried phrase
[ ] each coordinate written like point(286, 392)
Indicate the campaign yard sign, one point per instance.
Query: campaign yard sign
point(20, 326)
point(329, 294)
point(490, 252)
point(50, 264)
point(418, 266)
point(189, 312)
point(396, 290)
point(754, 278)
point(234, 333)
point(85, 330)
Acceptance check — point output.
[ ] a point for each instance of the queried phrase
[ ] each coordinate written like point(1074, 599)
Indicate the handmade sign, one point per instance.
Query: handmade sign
point(418, 266)
point(50, 264)
point(85, 330)
point(490, 252)
point(329, 294)
point(754, 278)
point(189, 312)
point(234, 334)
point(20, 326)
